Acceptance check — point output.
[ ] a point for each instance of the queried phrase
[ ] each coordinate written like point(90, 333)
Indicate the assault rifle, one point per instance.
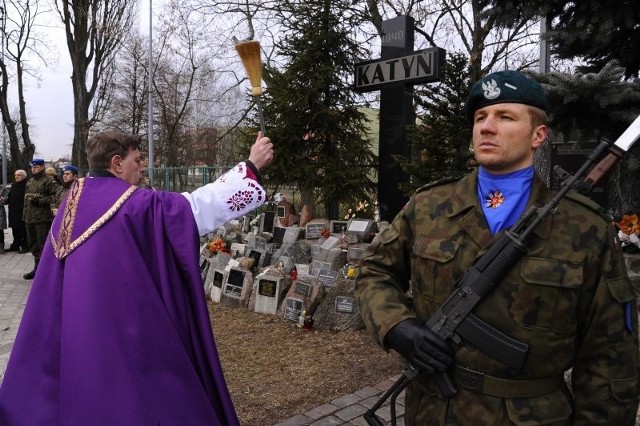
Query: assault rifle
point(454, 318)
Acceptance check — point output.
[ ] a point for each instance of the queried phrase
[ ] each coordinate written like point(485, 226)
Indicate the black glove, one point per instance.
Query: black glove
point(420, 346)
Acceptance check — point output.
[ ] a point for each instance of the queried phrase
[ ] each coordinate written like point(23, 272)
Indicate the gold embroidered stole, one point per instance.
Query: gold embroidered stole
point(63, 246)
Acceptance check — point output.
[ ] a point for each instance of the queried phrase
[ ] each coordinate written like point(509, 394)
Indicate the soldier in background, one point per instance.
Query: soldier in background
point(69, 175)
point(569, 297)
point(39, 198)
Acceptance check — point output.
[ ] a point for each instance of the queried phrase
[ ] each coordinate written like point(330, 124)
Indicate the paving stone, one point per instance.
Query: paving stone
point(327, 421)
point(346, 400)
point(321, 411)
point(298, 420)
point(351, 412)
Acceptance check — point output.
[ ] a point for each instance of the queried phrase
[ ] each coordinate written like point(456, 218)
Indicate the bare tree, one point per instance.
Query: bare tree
point(128, 109)
point(20, 42)
point(95, 30)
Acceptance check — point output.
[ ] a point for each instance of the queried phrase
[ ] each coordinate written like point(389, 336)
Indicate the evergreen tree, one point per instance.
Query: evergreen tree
point(596, 30)
point(588, 107)
point(440, 142)
point(320, 135)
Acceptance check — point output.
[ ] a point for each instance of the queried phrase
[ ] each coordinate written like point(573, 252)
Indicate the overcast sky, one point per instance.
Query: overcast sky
point(50, 103)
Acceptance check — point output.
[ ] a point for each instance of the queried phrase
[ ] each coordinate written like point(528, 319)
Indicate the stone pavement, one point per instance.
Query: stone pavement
point(346, 410)
point(13, 295)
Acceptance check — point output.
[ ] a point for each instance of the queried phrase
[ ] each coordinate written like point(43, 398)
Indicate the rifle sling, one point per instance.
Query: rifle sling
point(478, 382)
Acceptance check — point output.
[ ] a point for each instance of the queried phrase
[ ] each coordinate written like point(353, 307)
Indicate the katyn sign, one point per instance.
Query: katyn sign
point(421, 66)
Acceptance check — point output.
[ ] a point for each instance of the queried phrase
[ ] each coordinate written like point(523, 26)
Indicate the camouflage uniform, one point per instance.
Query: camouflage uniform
point(40, 195)
point(566, 298)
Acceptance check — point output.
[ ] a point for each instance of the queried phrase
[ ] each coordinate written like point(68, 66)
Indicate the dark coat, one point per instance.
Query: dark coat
point(16, 202)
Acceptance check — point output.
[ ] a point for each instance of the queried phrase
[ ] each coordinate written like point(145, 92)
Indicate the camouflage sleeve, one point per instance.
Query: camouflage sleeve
point(605, 374)
point(383, 279)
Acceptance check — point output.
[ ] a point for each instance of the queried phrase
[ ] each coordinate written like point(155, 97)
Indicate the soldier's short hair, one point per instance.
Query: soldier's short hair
point(103, 146)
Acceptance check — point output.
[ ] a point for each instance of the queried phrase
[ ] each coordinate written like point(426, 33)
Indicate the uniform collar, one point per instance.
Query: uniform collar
point(464, 202)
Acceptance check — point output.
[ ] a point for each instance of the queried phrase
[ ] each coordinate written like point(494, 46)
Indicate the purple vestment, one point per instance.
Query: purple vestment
point(116, 329)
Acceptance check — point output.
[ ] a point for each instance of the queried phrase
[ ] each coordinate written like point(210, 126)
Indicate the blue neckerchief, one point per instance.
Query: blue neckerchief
point(504, 197)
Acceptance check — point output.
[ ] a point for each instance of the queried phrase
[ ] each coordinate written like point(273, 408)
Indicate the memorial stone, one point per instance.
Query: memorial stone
point(292, 234)
point(335, 257)
point(330, 243)
point(215, 278)
point(303, 295)
point(237, 287)
point(270, 290)
point(362, 228)
point(338, 310)
point(314, 229)
point(238, 249)
point(299, 252)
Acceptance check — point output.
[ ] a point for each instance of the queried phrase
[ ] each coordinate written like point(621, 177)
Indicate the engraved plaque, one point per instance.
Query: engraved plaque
point(345, 304)
point(327, 278)
point(292, 309)
point(338, 226)
point(303, 288)
point(235, 281)
point(282, 212)
point(314, 230)
point(317, 266)
point(218, 278)
point(267, 288)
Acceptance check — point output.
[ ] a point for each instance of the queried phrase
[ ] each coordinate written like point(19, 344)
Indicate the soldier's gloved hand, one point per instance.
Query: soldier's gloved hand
point(420, 346)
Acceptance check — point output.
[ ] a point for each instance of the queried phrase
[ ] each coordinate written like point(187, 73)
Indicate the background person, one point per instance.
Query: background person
point(4, 195)
point(69, 175)
point(569, 297)
point(51, 172)
point(15, 200)
point(117, 330)
point(40, 194)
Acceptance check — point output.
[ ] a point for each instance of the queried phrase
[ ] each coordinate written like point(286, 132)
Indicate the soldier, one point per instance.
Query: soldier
point(569, 297)
point(40, 195)
point(69, 175)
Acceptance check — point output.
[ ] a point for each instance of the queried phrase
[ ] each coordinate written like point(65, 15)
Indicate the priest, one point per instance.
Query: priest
point(116, 329)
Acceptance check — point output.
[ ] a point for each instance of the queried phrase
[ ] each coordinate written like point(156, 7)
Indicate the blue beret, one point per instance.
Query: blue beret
point(36, 162)
point(505, 87)
point(70, 168)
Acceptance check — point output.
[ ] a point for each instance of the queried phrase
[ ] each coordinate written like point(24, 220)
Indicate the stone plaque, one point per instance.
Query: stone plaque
point(327, 278)
point(303, 288)
point(317, 266)
point(282, 212)
point(315, 250)
point(355, 253)
point(358, 226)
point(237, 249)
point(338, 226)
point(313, 230)
point(267, 220)
point(267, 288)
point(255, 255)
point(292, 309)
point(330, 243)
point(302, 268)
point(292, 234)
point(204, 266)
point(278, 234)
point(235, 280)
point(345, 304)
point(218, 278)
point(261, 243)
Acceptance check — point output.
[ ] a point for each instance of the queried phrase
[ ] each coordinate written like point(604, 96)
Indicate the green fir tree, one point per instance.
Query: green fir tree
point(440, 140)
point(320, 134)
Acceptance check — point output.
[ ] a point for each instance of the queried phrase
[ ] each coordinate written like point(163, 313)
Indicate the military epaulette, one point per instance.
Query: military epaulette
point(589, 203)
point(439, 182)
